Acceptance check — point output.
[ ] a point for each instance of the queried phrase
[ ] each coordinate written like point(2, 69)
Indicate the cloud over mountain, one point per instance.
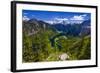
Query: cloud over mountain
point(80, 17)
point(25, 18)
point(76, 19)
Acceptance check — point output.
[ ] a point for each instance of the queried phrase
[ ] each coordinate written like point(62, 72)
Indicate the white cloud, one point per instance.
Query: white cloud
point(62, 19)
point(77, 19)
point(80, 17)
point(84, 15)
point(50, 22)
point(25, 18)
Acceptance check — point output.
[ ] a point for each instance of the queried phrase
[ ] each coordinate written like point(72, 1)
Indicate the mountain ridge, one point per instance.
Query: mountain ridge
point(34, 25)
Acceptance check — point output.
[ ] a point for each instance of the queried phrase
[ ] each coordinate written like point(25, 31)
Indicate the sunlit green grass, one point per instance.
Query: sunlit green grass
point(37, 48)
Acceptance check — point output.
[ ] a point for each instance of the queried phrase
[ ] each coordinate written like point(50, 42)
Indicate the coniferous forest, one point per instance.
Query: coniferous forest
point(55, 36)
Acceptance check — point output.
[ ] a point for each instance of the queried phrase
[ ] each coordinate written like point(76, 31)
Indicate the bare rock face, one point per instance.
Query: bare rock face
point(63, 56)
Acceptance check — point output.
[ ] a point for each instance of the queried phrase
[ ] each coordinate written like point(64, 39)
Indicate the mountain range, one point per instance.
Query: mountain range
point(33, 26)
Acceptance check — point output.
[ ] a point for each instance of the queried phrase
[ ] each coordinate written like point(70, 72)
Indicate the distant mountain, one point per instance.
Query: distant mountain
point(74, 29)
point(64, 21)
point(60, 27)
point(86, 23)
point(86, 28)
point(33, 26)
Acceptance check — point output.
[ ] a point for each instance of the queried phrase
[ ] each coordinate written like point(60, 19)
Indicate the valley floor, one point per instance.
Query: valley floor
point(40, 49)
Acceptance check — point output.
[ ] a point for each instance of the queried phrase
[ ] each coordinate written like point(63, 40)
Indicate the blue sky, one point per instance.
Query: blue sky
point(52, 15)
